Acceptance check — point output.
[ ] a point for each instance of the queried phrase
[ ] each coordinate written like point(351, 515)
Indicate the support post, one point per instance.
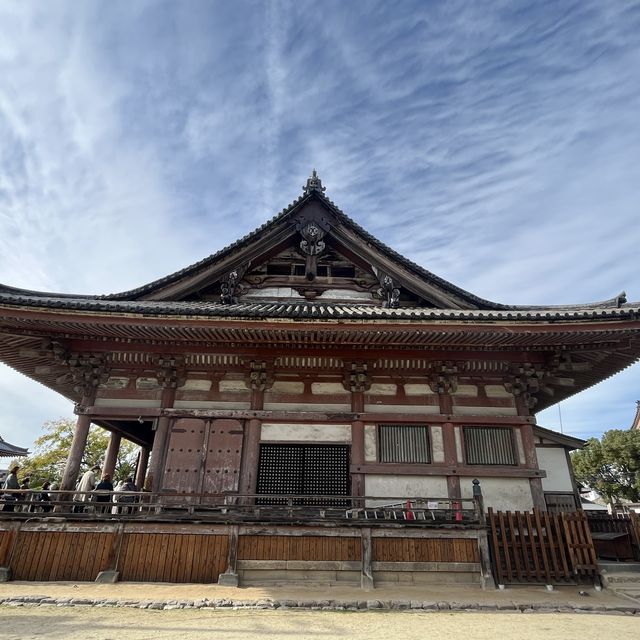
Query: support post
point(230, 577)
point(252, 435)
point(74, 459)
point(160, 440)
point(486, 573)
point(111, 456)
point(366, 575)
point(357, 444)
point(141, 471)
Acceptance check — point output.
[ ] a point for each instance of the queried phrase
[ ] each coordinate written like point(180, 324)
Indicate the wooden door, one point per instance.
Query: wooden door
point(223, 455)
point(183, 466)
point(203, 457)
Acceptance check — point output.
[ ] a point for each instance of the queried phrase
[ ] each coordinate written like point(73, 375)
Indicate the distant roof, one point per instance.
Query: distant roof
point(10, 450)
point(566, 441)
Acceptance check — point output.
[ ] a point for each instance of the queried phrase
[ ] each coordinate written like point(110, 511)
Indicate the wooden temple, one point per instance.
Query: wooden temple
point(308, 358)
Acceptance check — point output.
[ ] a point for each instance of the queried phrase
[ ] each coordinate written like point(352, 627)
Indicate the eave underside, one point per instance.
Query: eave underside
point(588, 352)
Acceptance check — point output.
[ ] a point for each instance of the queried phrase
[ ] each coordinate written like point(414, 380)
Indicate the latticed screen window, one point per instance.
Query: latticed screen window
point(489, 445)
point(401, 443)
point(304, 469)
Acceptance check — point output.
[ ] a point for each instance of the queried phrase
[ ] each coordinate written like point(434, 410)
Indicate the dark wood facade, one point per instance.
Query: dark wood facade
point(309, 358)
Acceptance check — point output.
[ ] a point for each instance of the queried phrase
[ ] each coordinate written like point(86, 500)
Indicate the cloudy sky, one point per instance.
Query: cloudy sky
point(497, 144)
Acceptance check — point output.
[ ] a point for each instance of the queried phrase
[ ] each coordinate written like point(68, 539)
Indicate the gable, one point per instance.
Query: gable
point(310, 252)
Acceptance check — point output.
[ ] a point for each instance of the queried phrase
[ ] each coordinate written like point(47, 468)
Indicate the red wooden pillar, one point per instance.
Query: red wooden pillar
point(111, 456)
point(531, 460)
point(251, 445)
point(141, 471)
point(357, 444)
point(160, 440)
point(74, 459)
point(449, 441)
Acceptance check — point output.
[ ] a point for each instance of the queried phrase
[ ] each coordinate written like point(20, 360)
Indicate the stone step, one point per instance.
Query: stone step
point(619, 567)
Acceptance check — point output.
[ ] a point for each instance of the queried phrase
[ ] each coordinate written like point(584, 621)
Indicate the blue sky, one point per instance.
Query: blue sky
point(495, 143)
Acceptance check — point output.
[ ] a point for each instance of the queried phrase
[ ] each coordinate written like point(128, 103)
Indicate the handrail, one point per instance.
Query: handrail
point(236, 507)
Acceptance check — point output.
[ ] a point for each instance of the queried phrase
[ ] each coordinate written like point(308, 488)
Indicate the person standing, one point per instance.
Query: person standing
point(85, 487)
point(104, 490)
point(11, 484)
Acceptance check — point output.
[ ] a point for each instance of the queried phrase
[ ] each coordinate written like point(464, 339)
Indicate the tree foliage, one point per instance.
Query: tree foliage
point(50, 452)
point(611, 466)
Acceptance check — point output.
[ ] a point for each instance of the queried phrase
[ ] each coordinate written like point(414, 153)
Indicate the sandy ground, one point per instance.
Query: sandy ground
point(115, 623)
point(76, 623)
point(566, 595)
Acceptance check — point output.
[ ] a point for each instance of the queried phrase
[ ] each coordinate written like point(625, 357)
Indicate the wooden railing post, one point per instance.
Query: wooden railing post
point(366, 575)
point(230, 577)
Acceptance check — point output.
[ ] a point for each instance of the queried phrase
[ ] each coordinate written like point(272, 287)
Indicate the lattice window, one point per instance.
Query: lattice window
point(404, 444)
point(489, 445)
point(304, 469)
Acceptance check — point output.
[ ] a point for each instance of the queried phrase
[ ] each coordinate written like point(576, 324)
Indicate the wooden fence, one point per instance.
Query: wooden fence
point(199, 553)
point(543, 547)
point(625, 546)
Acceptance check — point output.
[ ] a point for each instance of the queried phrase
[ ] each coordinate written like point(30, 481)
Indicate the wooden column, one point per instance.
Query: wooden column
point(111, 456)
point(160, 440)
point(357, 444)
point(141, 471)
point(451, 459)
point(531, 459)
point(449, 441)
point(251, 445)
point(74, 459)
point(366, 573)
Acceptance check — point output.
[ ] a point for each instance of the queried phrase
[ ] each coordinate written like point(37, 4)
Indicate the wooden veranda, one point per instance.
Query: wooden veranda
point(246, 539)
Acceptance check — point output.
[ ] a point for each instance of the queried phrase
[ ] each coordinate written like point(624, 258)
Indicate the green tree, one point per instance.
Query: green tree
point(611, 466)
point(50, 452)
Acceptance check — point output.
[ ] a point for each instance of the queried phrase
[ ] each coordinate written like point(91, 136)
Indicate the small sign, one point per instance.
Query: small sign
point(432, 505)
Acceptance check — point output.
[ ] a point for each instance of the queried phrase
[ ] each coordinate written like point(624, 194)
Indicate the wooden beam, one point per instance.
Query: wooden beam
point(442, 470)
point(296, 416)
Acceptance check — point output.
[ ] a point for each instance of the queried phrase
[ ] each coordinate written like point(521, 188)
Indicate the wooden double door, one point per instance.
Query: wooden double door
point(203, 458)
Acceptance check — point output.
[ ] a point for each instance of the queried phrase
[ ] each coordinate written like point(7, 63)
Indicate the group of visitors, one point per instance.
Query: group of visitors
point(90, 494)
point(103, 493)
point(19, 494)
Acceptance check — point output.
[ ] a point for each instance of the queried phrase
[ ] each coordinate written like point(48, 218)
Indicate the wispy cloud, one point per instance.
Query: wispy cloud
point(496, 144)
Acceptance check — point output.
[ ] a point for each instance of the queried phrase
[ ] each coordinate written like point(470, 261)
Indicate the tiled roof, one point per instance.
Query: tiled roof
point(315, 310)
point(129, 301)
point(8, 450)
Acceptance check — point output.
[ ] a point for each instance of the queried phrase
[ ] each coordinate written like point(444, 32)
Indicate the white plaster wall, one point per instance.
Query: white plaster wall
point(378, 389)
point(147, 383)
point(196, 385)
point(398, 487)
point(457, 432)
point(415, 389)
point(497, 391)
point(437, 444)
point(305, 406)
point(485, 411)
point(232, 386)
point(327, 388)
point(520, 446)
point(206, 404)
point(284, 386)
point(554, 462)
point(370, 451)
point(466, 390)
point(401, 408)
point(306, 432)
point(116, 402)
point(115, 382)
point(503, 494)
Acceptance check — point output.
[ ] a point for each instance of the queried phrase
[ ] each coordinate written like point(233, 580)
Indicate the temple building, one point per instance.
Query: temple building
point(309, 358)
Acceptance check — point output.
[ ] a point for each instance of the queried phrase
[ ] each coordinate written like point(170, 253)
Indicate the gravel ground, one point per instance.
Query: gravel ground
point(106, 623)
